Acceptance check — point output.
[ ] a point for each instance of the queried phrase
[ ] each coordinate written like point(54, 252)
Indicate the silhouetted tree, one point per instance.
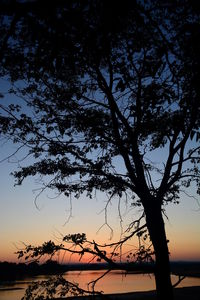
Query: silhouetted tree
point(101, 81)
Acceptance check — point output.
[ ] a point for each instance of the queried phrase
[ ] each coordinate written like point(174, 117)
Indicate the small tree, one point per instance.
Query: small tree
point(103, 82)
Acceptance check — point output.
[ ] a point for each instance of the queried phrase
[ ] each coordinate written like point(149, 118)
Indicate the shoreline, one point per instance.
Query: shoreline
point(183, 293)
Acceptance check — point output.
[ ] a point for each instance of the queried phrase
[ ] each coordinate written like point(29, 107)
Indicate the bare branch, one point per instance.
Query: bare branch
point(181, 278)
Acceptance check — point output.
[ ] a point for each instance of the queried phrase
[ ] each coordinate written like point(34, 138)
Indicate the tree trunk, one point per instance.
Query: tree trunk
point(157, 234)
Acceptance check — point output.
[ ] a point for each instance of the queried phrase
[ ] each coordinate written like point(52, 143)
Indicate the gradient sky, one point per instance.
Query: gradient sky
point(21, 221)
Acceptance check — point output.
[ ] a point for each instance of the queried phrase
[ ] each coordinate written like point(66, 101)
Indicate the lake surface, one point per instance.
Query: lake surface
point(114, 282)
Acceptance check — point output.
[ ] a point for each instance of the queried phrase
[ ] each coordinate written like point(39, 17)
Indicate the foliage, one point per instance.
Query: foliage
point(79, 244)
point(54, 287)
point(84, 110)
point(103, 88)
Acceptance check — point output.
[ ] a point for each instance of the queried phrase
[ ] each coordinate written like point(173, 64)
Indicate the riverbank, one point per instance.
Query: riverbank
point(116, 286)
point(185, 293)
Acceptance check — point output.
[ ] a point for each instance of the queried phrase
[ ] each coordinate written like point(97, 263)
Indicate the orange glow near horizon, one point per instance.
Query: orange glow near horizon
point(20, 221)
point(179, 251)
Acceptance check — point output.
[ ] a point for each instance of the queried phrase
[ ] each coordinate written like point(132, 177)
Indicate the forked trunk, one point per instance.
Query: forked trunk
point(157, 233)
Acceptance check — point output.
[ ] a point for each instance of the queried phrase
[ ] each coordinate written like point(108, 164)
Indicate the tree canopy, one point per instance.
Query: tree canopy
point(100, 82)
point(103, 84)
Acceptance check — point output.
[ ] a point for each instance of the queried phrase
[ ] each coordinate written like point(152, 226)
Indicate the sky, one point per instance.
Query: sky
point(24, 221)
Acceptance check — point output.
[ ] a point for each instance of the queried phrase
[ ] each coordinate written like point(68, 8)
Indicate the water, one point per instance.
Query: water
point(114, 282)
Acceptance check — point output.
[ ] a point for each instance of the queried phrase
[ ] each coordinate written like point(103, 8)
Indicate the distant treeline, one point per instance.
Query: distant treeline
point(12, 271)
point(190, 268)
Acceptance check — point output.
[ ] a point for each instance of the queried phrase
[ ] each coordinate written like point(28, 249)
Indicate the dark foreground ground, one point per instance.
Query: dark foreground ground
point(186, 293)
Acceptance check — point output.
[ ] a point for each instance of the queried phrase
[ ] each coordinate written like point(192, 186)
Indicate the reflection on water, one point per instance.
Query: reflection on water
point(14, 290)
point(114, 282)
